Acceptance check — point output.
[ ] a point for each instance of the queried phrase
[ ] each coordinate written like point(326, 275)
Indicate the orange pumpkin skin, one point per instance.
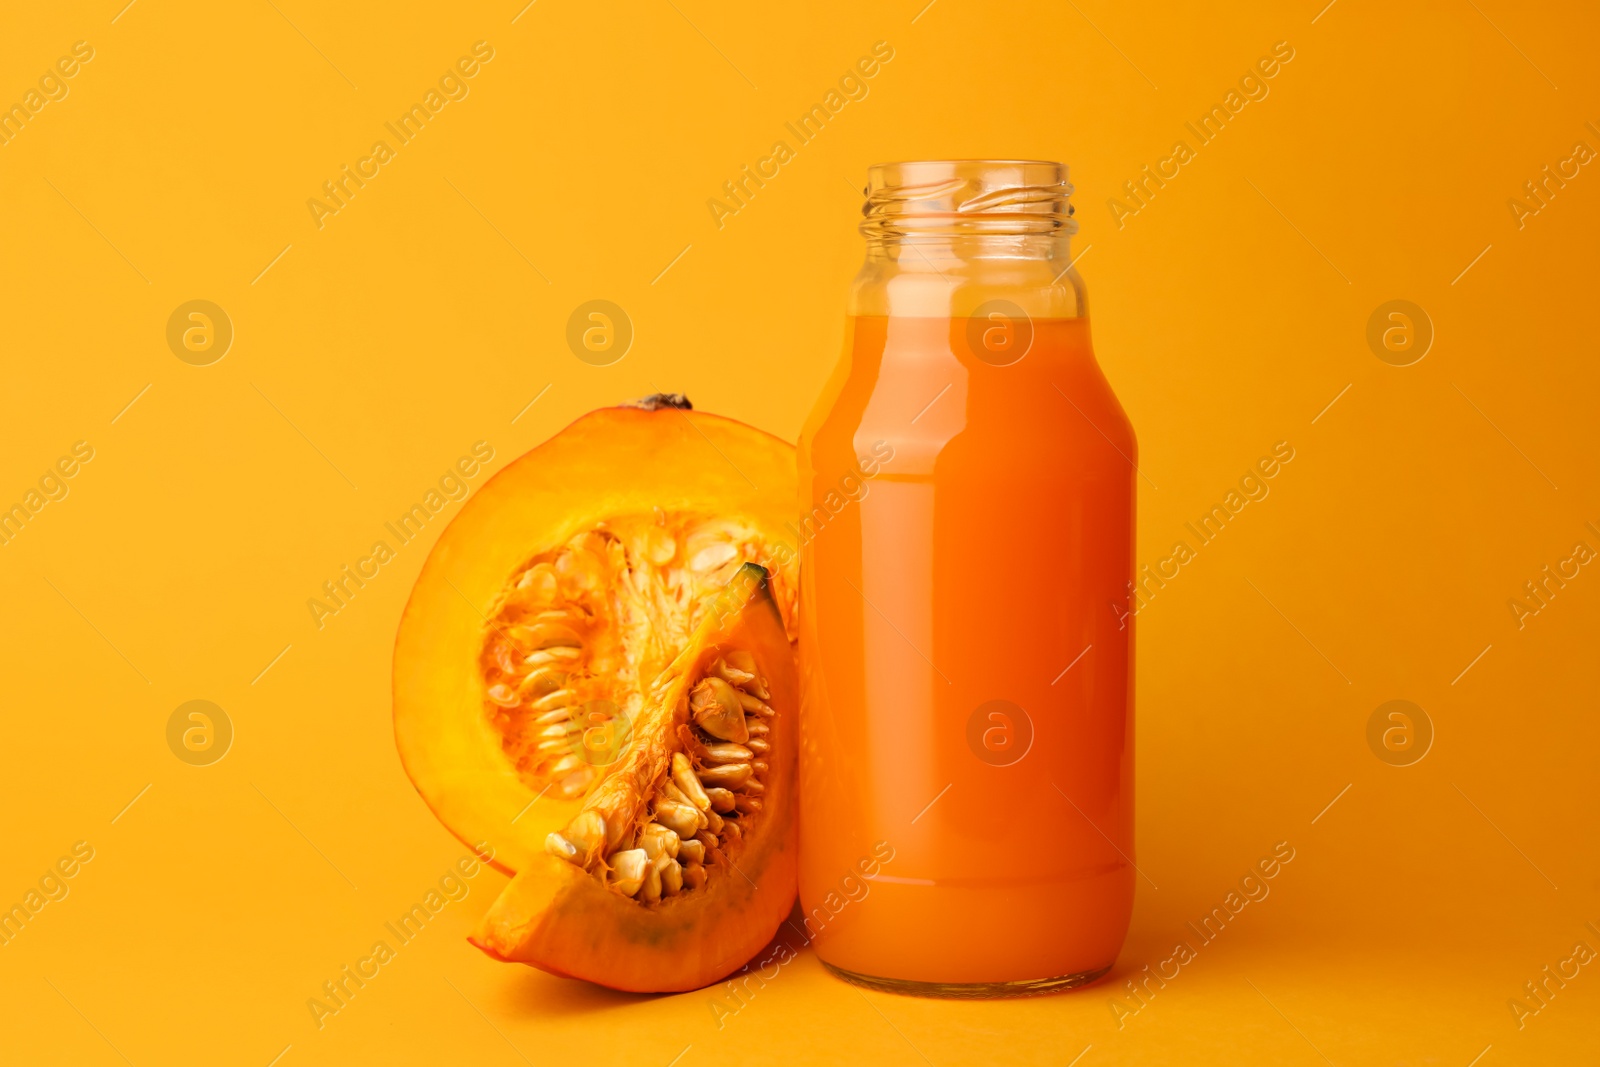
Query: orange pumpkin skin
point(613, 462)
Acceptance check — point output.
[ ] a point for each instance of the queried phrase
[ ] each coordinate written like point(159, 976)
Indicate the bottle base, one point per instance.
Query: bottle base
point(1029, 987)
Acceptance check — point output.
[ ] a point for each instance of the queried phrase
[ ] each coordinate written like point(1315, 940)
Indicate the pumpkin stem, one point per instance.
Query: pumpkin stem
point(657, 401)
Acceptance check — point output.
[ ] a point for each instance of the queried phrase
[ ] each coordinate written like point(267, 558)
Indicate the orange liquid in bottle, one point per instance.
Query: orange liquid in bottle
point(967, 767)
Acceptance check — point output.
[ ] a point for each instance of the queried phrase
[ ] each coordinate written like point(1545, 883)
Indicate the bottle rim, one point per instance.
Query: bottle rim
point(967, 198)
point(985, 160)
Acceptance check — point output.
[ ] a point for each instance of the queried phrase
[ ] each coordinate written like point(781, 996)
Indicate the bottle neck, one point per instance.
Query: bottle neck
point(945, 238)
point(935, 252)
point(945, 276)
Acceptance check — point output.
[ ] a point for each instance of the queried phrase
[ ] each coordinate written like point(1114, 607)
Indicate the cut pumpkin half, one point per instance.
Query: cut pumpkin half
point(582, 679)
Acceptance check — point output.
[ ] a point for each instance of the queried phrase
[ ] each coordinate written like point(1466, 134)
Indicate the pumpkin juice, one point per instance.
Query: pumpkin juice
point(965, 655)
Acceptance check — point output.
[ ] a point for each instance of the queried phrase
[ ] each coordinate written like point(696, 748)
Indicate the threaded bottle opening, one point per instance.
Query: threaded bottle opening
point(967, 197)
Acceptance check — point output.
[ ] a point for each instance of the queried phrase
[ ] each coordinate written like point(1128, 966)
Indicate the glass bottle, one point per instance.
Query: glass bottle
point(966, 649)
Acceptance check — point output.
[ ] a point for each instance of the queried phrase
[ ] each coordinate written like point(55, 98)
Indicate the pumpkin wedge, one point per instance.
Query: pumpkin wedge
point(682, 863)
point(535, 660)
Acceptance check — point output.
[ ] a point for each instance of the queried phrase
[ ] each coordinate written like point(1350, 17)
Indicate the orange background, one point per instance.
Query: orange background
point(426, 315)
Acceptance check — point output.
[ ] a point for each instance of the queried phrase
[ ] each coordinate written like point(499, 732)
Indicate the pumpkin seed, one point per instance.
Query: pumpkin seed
point(715, 707)
point(712, 556)
point(561, 715)
point(658, 840)
point(507, 658)
point(576, 783)
point(587, 831)
point(728, 752)
point(650, 892)
point(543, 680)
point(672, 792)
point(731, 674)
point(727, 775)
point(659, 546)
point(750, 703)
point(566, 765)
point(558, 699)
point(671, 879)
point(683, 777)
point(539, 584)
point(745, 662)
point(681, 819)
point(542, 635)
point(557, 615)
point(628, 871)
point(552, 655)
point(560, 847)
